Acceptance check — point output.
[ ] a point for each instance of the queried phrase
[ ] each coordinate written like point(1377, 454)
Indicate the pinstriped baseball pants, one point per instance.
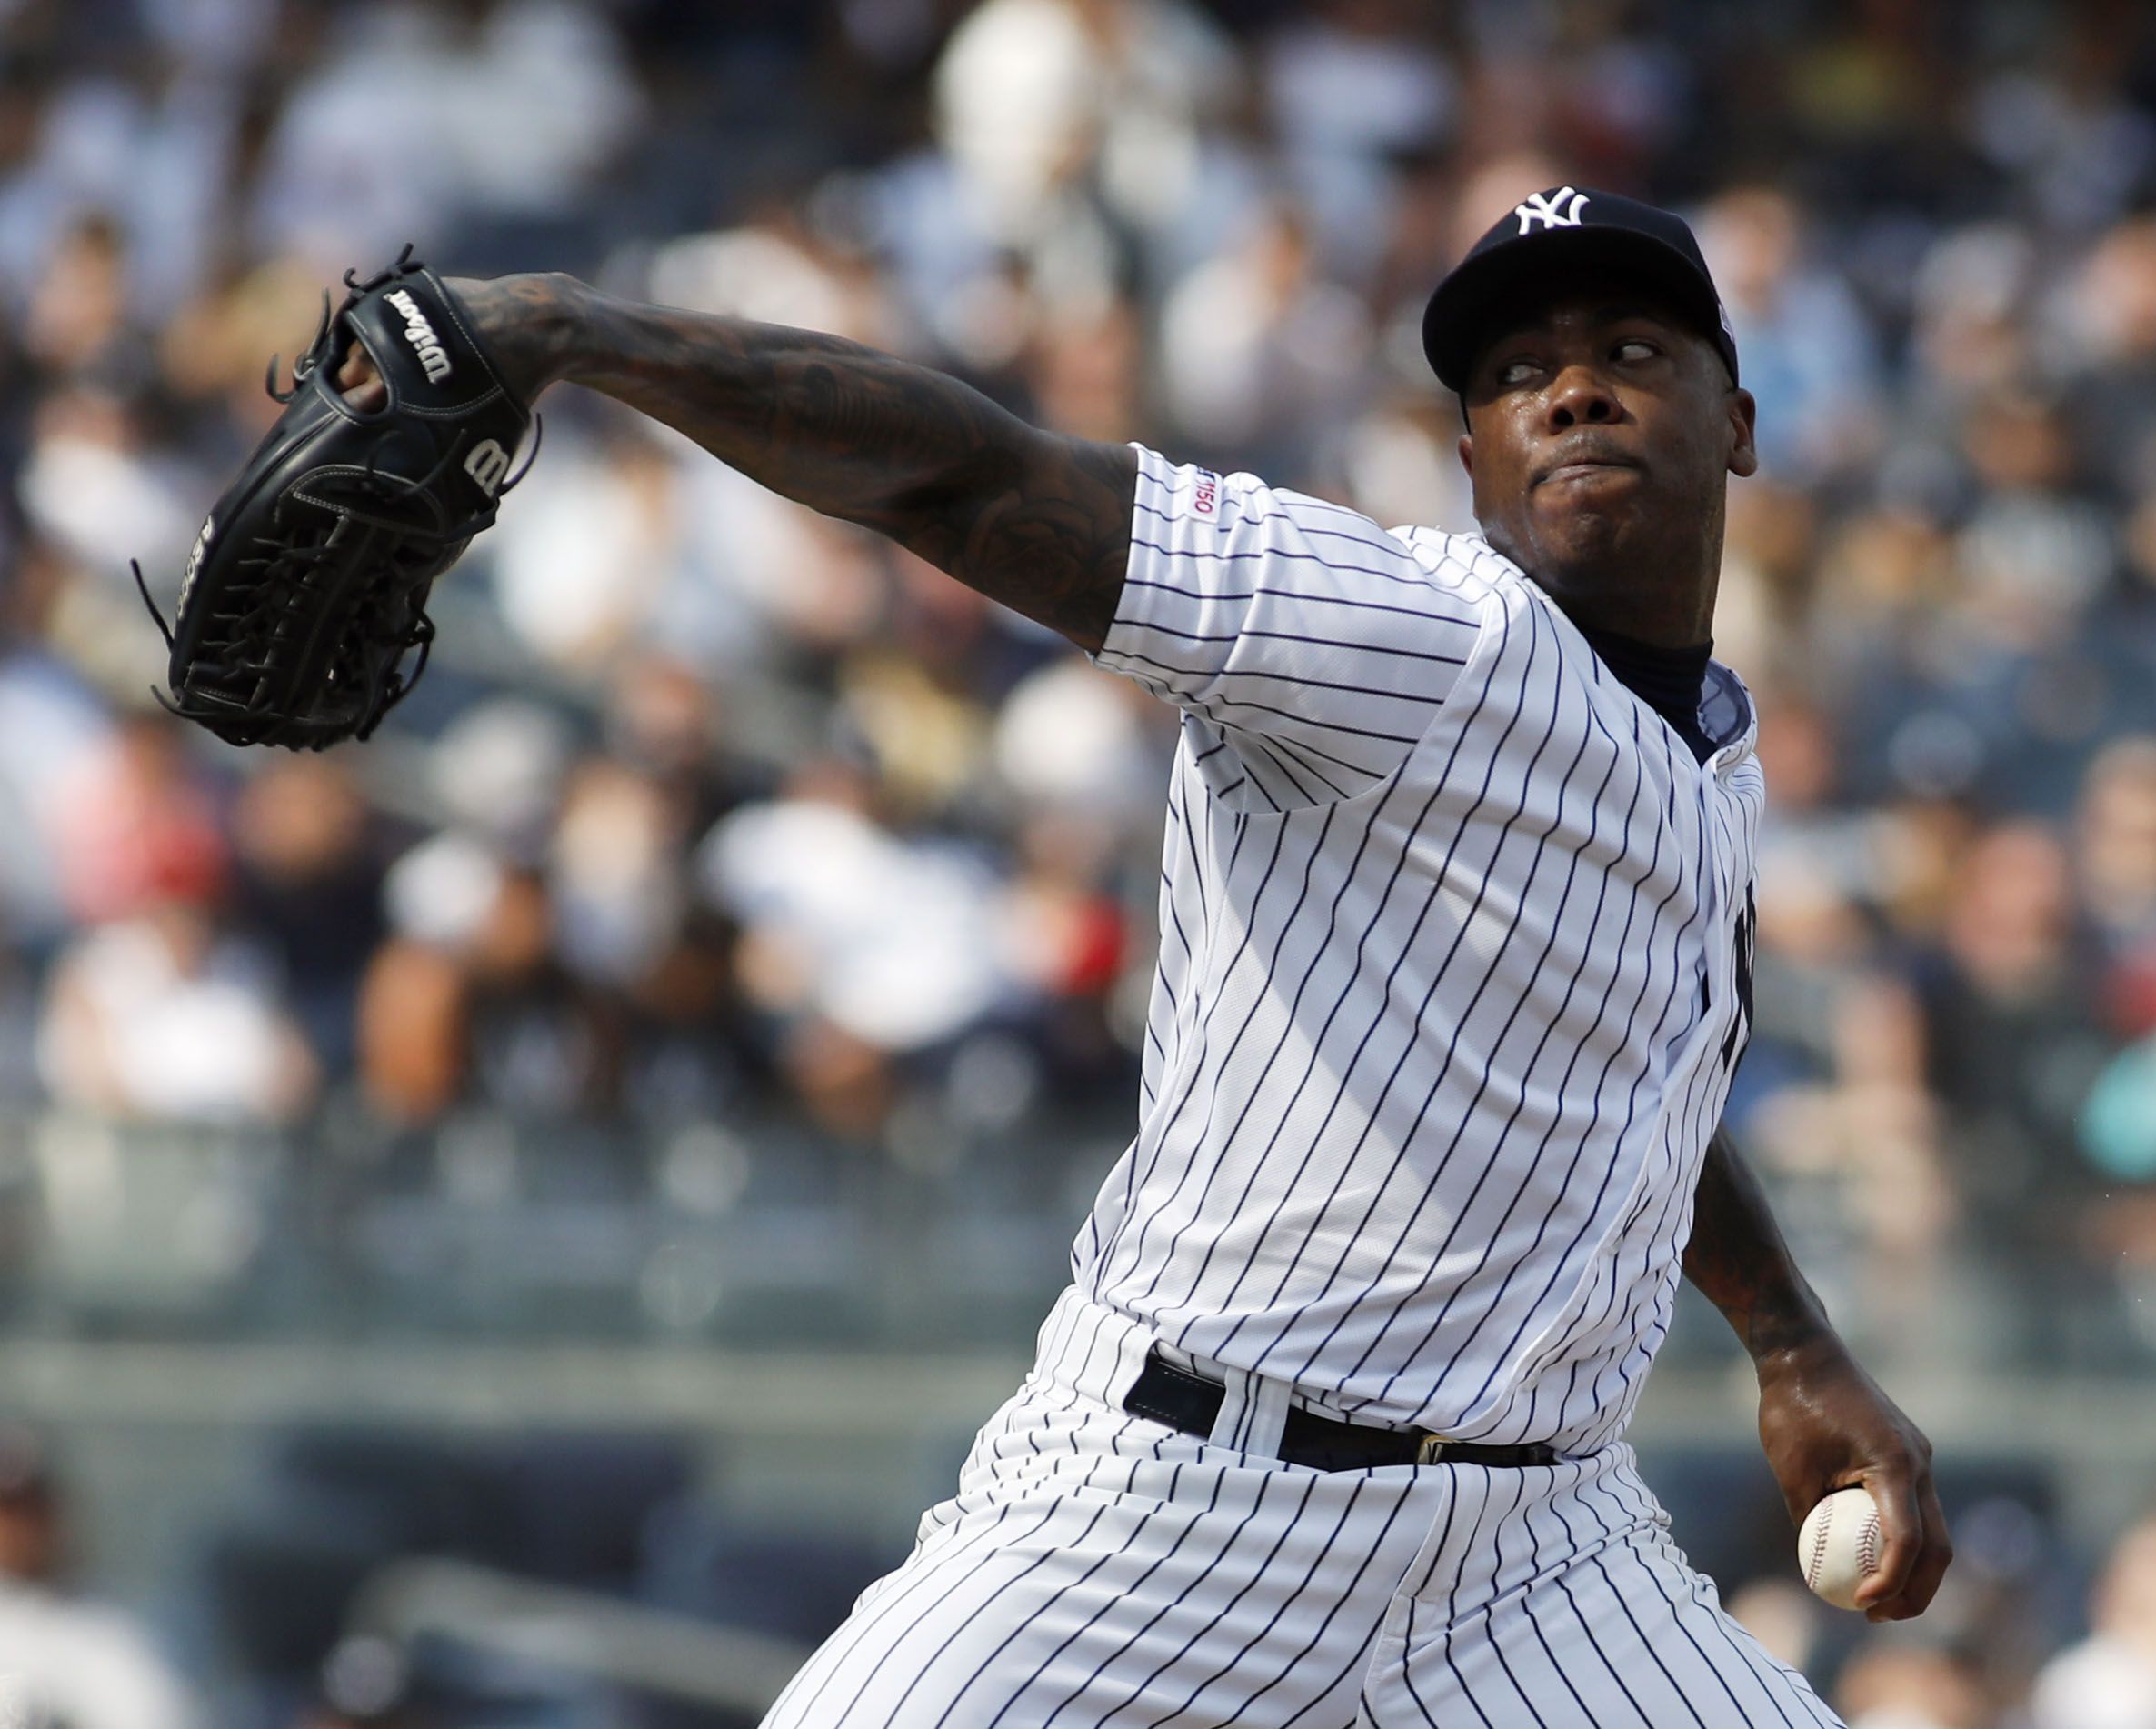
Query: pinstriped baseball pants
point(1098, 1571)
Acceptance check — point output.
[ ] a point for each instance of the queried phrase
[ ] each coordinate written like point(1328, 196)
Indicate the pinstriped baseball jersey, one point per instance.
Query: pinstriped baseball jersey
point(1456, 949)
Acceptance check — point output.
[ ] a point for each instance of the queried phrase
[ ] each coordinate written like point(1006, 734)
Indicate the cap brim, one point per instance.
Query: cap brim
point(1463, 314)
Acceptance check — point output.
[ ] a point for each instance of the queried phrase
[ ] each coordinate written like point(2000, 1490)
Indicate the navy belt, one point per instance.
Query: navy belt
point(1191, 1402)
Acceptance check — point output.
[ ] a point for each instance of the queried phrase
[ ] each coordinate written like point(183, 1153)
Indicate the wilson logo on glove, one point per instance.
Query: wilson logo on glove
point(421, 335)
point(202, 545)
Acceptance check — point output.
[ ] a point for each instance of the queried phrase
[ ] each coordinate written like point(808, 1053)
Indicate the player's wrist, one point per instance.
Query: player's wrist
point(1800, 1345)
point(534, 324)
point(562, 316)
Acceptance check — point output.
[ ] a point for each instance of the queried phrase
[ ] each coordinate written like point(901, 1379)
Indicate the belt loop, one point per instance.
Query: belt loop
point(1132, 1345)
point(1252, 1415)
point(1231, 1423)
point(1268, 1416)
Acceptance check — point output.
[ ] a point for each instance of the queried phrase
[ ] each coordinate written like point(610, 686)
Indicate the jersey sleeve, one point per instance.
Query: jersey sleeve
point(1308, 647)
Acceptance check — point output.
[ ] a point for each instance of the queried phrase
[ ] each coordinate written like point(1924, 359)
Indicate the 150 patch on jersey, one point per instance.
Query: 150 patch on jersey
point(1205, 496)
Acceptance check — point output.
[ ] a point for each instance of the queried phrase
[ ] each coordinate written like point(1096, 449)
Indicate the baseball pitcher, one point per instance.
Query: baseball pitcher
point(1456, 925)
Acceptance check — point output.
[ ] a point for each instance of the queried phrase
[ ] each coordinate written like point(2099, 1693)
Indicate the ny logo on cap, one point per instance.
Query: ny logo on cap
point(1551, 210)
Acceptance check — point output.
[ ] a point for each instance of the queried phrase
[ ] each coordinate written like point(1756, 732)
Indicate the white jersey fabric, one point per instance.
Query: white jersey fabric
point(1455, 937)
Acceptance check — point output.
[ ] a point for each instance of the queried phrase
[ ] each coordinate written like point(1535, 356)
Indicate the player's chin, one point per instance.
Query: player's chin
point(1581, 532)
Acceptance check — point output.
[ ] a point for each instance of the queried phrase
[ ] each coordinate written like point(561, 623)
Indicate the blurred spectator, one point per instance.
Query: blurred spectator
point(857, 943)
point(2108, 1681)
point(136, 826)
point(496, 771)
point(78, 316)
point(1912, 1684)
point(365, 1685)
point(307, 882)
point(508, 108)
point(2062, 122)
point(1781, 1615)
point(63, 1660)
point(1355, 88)
point(1068, 742)
point(470, 1000)
point(778, 268)
point(1036, 95)
point(1806, 351)
point(2012, 1038)
point(54, 732)
point(159, 1016)
point(618, 899)
point(95, 484)
point(1257, 345)
point(2115, 855)
point(577, 562)
point(1972, 297)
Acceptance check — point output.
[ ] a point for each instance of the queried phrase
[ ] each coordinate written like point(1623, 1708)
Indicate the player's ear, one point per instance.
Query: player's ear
point(1744, 453)
point(1467, 454)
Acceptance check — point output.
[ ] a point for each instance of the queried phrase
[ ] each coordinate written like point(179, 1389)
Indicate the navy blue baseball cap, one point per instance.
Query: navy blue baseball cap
point(1570, 234)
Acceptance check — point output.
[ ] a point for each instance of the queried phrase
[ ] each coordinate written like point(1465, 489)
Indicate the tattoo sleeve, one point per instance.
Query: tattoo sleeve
point(1037, 521)
point(1738, 1259)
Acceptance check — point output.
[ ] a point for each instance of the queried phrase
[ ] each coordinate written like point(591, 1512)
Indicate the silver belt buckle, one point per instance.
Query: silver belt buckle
point(1431, 1450)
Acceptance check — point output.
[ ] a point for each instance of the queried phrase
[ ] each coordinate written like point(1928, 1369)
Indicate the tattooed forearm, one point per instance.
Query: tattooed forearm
point(1738, 1259)
point(1039, 522)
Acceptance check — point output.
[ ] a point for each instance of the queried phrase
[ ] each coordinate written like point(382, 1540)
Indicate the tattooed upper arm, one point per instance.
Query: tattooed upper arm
point(1040, 523)
point(1033, 519)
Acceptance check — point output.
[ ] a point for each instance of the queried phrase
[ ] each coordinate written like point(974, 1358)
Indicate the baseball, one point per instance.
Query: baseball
point(1839, 1545)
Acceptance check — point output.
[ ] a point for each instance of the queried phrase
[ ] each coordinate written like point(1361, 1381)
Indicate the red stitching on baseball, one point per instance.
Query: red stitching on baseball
point(1819, 1543)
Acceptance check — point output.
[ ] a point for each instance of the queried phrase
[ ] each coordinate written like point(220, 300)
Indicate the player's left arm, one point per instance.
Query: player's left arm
point(1824, 1423)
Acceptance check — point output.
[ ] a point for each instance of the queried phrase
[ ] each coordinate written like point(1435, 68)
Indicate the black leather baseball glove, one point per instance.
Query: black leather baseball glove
point(307, 586)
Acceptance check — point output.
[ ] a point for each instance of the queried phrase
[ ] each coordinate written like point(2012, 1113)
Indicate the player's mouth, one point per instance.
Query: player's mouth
point(1581, 463)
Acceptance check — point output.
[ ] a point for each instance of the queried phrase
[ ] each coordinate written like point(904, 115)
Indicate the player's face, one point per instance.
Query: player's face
point(1599, 432)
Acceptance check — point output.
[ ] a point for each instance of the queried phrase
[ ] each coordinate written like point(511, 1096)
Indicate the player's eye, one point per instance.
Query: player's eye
point(1636, 348)
point(1514, 374)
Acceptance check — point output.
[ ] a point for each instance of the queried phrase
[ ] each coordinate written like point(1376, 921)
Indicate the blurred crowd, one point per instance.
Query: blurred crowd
point(710, 801)
point(709, 806)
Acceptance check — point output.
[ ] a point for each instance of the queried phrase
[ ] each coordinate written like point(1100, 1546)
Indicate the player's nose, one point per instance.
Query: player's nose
point(1578, 394)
